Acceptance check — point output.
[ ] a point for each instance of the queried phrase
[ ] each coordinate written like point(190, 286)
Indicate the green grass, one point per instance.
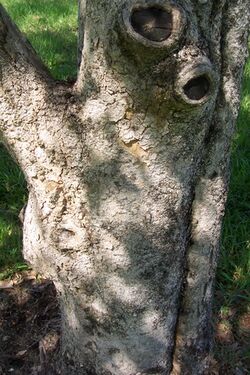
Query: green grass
point(51, 26)
point(234, 266)
point(12, 198)
point(232, 300)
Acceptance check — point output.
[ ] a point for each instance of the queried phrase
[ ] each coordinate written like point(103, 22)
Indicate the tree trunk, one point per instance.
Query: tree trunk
point(128, 172)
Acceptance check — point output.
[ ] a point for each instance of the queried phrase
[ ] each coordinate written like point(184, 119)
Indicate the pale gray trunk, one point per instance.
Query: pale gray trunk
point(128, 174)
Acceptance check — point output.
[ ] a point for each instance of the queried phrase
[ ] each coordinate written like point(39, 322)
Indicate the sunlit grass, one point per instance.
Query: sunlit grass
point(51, 27)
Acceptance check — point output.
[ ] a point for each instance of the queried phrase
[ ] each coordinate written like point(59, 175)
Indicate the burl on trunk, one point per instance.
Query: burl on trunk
point(127, 172)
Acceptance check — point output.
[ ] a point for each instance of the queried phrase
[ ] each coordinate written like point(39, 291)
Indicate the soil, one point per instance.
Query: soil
point(232, 337)
point(30, 331)
point(29, 326)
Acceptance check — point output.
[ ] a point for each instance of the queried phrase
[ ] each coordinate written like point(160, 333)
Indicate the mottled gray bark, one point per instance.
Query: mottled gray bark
point(128, 172)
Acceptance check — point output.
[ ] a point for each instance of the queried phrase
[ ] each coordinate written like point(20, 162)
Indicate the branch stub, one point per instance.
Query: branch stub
point(155, 23)
point(197, 83)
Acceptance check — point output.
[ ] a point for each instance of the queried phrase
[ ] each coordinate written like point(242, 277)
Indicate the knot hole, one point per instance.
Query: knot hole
point(153, 23)
point(197, 88)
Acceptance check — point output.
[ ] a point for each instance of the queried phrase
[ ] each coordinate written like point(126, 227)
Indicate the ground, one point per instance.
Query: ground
point(30, 330)
point(29, 326)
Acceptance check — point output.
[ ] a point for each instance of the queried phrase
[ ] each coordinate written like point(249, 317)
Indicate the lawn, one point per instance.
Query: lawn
point(51, 26)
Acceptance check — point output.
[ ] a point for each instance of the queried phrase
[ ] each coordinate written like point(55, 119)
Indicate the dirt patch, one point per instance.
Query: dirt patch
point(232, 339)
point(30, 331)
point(29, 326)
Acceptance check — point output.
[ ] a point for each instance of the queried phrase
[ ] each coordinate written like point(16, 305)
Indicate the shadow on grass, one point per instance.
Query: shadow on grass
point(232, 302)
point(11, 259)
point(13, 195)
point(233, 272)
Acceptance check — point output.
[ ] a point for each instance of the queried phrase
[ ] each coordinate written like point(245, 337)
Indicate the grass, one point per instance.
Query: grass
point(51, 26)
point(233, 273)
point(12, 198)
point(232, 302)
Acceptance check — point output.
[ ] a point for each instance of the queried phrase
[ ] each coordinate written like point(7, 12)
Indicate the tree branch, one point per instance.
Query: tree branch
point(24, 82)
point(14, 43)
point(32, 104)
point(81, 14)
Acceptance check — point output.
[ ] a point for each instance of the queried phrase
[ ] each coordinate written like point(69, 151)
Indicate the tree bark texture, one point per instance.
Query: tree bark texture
point(127, 173)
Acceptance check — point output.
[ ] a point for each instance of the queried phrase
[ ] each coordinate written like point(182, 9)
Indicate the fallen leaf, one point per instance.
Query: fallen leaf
point(21, 353)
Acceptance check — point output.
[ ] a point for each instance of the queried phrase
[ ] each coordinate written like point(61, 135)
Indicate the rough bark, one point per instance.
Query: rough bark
point(128, 172)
